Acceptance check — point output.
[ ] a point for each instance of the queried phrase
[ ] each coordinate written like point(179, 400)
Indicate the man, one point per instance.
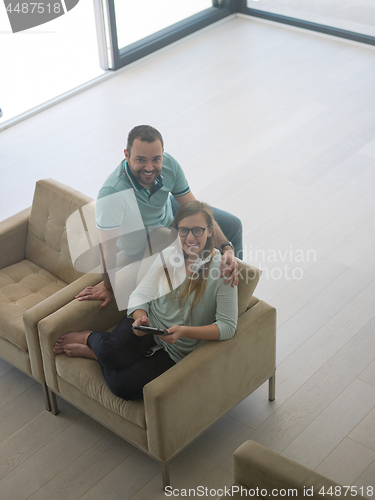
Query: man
point(145, 191)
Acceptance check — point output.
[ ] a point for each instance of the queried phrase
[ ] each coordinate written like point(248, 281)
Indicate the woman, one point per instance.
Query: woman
point(193, 305)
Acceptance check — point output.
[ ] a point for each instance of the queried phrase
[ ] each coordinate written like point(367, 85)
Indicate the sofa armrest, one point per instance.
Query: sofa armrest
point(222, 373)
point(13, 234)
point(74, 315)
point(258, 467)
point(45, 308)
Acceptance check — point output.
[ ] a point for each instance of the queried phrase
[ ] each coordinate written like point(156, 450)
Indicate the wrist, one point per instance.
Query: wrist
point(184, 331)
point(226, 246)
point(228, 249)
point(107, 288)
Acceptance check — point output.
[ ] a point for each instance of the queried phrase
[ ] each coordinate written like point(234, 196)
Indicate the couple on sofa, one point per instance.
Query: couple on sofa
point(194, 301)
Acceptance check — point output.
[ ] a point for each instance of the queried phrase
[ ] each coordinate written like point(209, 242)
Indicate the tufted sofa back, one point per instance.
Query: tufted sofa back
point(46, 243)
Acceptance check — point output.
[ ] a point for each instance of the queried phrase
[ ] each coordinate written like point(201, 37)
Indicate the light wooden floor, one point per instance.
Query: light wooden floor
point(276, 125)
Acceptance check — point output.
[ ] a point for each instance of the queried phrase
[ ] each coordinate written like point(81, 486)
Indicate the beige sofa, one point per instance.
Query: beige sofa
point(257, 468)
point(36, 273)
point(183, 402)
point(38, 284)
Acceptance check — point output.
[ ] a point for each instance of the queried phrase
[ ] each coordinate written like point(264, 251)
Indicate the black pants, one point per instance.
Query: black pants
point(121, 355)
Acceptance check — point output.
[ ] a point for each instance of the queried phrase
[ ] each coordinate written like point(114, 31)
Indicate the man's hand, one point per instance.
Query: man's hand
point(175, 331)
point(98, 292)
point(229, 267)
point(142, 321)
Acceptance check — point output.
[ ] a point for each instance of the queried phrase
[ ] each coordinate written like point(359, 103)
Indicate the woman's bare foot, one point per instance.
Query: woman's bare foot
point(71, 338)
point(79, 351)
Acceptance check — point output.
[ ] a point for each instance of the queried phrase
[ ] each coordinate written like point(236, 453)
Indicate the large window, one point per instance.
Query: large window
point(51, 60)
point(353, 19)
point(351, 15)
point(131, 30)
point(40, 63)
point(137, 20)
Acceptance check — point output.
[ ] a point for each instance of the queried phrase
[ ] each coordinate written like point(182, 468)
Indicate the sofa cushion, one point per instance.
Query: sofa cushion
point(22, 286)
point(86, 375)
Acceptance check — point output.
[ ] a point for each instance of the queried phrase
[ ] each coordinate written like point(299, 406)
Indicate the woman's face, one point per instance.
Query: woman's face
point(192, 245)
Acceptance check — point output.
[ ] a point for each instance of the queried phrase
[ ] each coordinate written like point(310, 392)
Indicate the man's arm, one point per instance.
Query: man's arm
point(229, 266)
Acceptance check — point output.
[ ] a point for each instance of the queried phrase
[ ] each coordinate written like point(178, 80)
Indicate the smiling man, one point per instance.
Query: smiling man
point(143, 193)
point(146, 162)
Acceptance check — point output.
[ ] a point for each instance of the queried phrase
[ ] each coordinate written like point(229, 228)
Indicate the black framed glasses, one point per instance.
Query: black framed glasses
point(196, 231)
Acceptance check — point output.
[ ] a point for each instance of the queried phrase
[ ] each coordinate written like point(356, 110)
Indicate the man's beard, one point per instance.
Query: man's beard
point(143, 180)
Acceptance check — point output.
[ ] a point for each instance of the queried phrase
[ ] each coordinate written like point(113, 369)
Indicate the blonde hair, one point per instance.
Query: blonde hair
point(197, 284)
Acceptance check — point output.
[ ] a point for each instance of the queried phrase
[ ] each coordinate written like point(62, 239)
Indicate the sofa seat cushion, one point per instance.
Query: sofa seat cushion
point(86, 375)
point(22, 286)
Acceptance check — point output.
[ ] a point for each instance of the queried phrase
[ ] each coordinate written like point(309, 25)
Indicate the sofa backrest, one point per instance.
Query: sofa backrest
point(46, 243)
point(247, 282)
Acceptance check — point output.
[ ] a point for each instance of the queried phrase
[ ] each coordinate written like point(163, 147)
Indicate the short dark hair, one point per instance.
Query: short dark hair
point(144, 133)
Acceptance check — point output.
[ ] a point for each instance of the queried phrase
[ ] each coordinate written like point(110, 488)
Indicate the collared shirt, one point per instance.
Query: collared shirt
point(126, 205)
point(138, 187)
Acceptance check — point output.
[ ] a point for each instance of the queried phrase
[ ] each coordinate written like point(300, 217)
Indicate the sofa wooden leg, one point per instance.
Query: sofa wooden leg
point(272, 387)
point(47, 401)
point(53, 400)
point(165, 474)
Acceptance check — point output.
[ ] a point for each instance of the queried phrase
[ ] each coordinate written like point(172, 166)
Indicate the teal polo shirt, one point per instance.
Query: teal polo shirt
point(124, 204)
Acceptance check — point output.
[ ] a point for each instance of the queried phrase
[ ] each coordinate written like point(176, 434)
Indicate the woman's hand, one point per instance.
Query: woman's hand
point(175, 331)
point(142, 321)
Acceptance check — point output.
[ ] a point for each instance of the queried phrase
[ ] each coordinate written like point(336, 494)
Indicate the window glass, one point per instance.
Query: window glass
point(41, 63)
point(351, 15)
point(138, 19)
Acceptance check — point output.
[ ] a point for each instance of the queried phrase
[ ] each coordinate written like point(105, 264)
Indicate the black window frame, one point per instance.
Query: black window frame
point(122, 56)
point(113, 57)
point(242, 8)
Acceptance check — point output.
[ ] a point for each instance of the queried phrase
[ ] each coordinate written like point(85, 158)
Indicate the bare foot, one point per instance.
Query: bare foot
point(71, 338)
point(79, 351)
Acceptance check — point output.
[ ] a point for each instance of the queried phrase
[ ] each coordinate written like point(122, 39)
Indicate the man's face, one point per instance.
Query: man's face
point(145, 161)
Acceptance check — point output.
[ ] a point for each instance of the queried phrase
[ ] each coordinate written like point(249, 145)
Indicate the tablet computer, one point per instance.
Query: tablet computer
point(150, 329)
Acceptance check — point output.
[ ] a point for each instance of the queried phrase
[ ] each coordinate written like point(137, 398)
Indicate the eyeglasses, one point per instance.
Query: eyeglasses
point(196, 231)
